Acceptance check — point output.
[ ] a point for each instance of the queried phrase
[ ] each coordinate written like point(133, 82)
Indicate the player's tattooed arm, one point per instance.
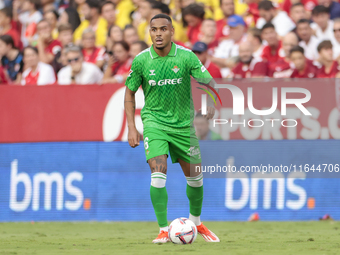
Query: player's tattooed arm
point(158, 164)
point(130, 107)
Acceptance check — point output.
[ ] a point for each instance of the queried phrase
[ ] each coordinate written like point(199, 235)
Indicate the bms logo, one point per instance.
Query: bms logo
point(245, 190)
point(166, 82)
point(32, 191)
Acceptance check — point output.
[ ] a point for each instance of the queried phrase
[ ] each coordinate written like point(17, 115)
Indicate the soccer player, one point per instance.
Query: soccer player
point(164, 72)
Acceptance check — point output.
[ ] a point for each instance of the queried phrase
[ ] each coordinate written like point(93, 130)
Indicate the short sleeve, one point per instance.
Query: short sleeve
point(134, 79)
point(198, 70)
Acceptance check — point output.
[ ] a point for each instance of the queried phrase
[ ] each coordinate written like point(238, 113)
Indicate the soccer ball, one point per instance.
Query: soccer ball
point(182, 231)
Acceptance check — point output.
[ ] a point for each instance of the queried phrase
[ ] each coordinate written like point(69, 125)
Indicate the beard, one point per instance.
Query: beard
point(160, 47)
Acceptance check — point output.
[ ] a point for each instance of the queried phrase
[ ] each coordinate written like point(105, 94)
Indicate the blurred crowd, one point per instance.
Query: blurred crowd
point(92, 41)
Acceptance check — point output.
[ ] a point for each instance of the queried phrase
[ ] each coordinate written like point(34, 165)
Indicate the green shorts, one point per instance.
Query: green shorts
point(183, 146)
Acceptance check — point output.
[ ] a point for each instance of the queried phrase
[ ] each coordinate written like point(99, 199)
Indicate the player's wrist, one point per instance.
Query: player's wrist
point(210, 103)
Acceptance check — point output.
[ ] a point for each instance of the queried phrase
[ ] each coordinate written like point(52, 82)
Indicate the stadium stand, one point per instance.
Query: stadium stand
point(96, 26)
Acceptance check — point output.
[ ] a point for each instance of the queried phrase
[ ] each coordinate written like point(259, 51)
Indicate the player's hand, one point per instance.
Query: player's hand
point(133, 137)
point(210, 112)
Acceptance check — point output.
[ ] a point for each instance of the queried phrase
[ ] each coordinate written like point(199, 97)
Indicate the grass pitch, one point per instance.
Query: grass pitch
point(274, 238)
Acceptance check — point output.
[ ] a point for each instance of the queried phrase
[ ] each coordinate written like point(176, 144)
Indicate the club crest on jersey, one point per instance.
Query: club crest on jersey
point(175, 69)
point(130, 72)
point(152, 72)
point(193, 151)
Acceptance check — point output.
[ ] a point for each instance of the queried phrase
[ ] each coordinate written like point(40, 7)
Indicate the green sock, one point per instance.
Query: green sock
point(159, 199)
point(195, 195)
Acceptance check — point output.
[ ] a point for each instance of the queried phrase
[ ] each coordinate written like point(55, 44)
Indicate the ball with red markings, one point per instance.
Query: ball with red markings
point(182, 231)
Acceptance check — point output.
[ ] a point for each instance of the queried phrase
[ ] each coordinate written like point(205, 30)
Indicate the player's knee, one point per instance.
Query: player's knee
point(158, 180)
point(196, 181)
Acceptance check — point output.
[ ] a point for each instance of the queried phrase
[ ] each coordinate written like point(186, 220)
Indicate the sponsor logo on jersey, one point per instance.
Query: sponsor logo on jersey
point(152, 72)
point(130, 72)
point(152, 83)
point(175, 69)
point(203, 68)
point(166, 82)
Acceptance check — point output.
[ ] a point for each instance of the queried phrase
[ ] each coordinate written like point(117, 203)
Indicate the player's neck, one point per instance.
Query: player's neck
point(163, 52)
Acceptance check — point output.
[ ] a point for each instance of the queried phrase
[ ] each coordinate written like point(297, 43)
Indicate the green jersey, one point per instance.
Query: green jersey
point(166, 85)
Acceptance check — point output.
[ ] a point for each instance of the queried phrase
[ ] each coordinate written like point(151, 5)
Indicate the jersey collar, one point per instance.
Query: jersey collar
point(172, 52)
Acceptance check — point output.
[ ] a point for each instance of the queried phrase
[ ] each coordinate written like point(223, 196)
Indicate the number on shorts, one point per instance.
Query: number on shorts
point(146, 145)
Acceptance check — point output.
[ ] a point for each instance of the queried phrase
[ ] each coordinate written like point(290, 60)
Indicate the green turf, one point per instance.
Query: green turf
point(274, 238)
